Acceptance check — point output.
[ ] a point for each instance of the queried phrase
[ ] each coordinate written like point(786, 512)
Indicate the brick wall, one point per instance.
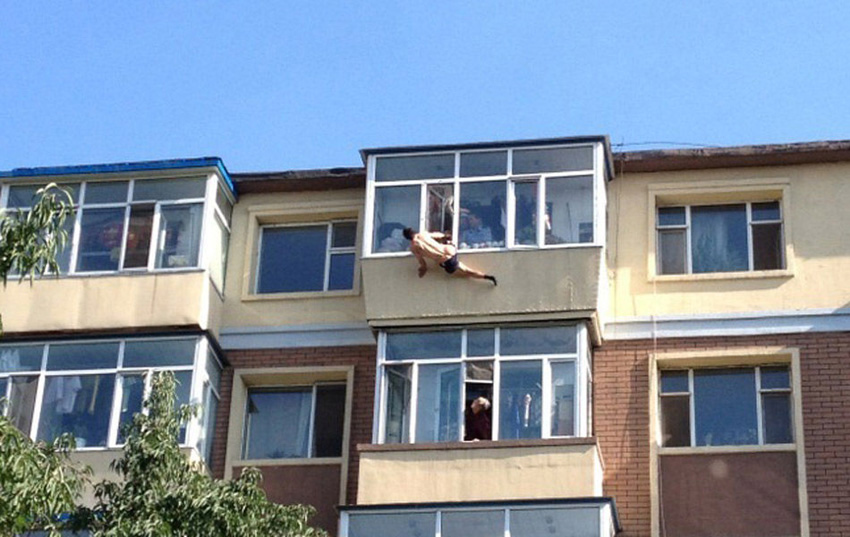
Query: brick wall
point(361, 357)
point(621, 422)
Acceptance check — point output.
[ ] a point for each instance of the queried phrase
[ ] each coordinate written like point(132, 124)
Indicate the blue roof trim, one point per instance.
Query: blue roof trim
point(120, 167)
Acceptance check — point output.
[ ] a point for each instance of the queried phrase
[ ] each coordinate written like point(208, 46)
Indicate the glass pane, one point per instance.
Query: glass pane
point(179, 236)
point(555, 522)
point(80, 405)
point(218, 253)
point(408, 345)
point(766, 211)
point(64, 256)
point(392, 525)
point(481, 342)
point(139, 236)
point(671, 216)
point(473, 523)
point(395, 209)
point(719, 238)
point(526, 213)
point(213, 368)
point(438, 403)
point(398, 404)
point(22, 196)
point(112, 192)
point(208, 432)
point(101, 233)
point(440, 207)
point(725, 407)
point(344, 234)
point(67, 357)
point(520, 399)
point(479, 370)
point(329, 420)
point(419, 167)
point(132, 395)
point(278, 423)
point(569, 210)
point(675, 421)
point(775, 378)
point(671, 251)
point(483, 164)
point(20, 358)
point(22, 394)
point(563, 398)
point(292, 259)
point(342, 272)
point(561, 159)
point(767, 247)
point(674, 381)
point(169, 189)
point(776, 409)
point(537, 340)
point(224, 204)
point(158, 353)
point(483, 214)
point(184, 396)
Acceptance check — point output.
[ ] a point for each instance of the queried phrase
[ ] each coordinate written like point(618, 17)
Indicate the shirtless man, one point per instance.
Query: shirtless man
point(434, 245)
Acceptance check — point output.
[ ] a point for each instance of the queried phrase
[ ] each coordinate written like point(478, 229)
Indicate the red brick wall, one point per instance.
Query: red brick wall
point(622, 421)
point(362, 358)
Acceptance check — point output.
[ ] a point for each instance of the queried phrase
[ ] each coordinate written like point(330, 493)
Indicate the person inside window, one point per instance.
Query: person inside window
point(478, 420)
point(476, 234)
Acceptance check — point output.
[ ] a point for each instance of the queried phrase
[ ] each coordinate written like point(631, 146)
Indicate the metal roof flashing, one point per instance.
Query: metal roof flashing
point(124, 167)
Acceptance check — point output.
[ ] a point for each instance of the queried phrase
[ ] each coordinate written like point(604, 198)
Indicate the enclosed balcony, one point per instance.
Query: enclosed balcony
point(532, 213)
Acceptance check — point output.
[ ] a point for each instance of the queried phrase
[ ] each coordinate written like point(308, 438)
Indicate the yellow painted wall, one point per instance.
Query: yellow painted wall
point(546, 281)
point(815, 201)
point(454, 475)
point(106, 302)
point(242, 306)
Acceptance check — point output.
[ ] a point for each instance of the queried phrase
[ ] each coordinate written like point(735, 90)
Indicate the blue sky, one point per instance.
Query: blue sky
point(306, 84)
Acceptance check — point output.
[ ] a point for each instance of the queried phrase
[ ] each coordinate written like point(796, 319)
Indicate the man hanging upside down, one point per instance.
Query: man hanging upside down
point(436, 246)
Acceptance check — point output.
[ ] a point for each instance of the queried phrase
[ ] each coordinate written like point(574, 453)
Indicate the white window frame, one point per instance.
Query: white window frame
point(688, 230)
point(760, 392)
point(581, 360)
point(314, 389)
point(330, 251)
point(196, 368)
point(598, 198)
point(207, 202)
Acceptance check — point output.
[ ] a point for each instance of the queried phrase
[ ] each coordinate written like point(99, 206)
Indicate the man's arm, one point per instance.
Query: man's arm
point(423, 267)
point(439, 236)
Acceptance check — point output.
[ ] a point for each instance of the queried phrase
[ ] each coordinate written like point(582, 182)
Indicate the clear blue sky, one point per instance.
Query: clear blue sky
point(305, 84)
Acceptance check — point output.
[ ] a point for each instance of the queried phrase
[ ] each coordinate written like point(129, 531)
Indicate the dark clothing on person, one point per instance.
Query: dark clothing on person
point(477, 425)
point(450, 265)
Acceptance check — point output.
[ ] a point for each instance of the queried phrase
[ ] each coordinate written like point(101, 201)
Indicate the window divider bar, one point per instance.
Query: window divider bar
point(328, 244)
point(750, 260)
point(312, 428)
point(691, 407)
point(759, 418)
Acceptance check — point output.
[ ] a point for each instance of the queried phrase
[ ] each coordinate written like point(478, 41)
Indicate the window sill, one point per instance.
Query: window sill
point(515, 249)
point(300, 295)
point(304, 461)
point(481, 444)
point(709, 276)
point(714, 450)
point(105, 274)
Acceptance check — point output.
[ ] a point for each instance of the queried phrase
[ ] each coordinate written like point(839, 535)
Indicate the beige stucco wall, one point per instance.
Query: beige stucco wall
point(106, 302)
point(453, 475)
point(558, 281)
point(243, 308)
point(815, 200)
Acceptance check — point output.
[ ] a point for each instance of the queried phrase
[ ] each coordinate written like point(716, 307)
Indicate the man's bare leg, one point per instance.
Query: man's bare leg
point(466, 272)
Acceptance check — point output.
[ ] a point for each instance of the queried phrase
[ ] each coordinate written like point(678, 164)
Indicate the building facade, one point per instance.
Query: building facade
point(662, 355)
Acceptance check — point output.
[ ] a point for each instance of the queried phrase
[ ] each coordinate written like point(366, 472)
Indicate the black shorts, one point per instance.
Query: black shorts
point(450, 265)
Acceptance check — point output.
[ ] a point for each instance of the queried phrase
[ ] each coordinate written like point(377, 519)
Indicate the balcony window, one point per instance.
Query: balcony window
point(720, 238)
point(726, 407)
point(294, 422)
point(559, 518)
point(544, 198)
point(136, 225)
point(92, 389)
point(303, 258)
point(529, 375)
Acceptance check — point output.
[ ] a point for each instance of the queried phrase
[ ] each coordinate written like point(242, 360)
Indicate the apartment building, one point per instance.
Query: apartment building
point(662, 355)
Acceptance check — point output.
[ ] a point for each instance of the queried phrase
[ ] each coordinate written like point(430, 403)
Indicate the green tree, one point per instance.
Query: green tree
point(162, 493)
